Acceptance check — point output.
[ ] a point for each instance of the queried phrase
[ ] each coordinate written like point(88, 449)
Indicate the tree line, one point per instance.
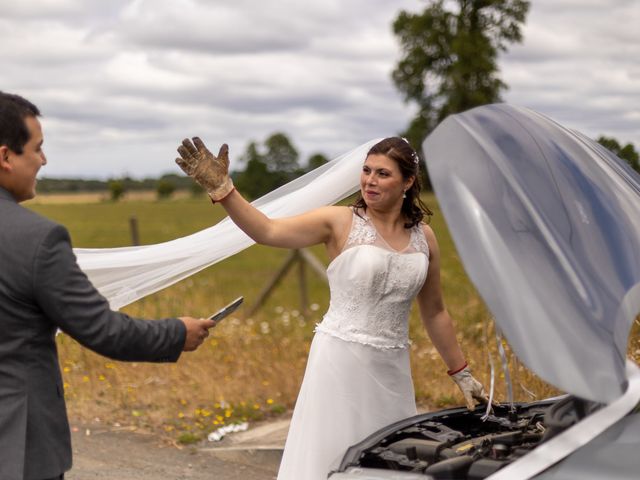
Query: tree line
point(263, 167)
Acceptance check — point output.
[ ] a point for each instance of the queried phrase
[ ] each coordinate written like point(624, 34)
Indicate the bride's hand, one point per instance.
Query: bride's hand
point(211, 172)
point(471, 388)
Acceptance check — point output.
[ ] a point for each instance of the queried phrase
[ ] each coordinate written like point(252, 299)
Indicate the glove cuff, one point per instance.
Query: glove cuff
point(222, 191)
point(451, 373)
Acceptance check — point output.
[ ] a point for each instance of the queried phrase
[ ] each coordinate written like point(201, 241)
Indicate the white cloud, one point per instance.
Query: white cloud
point(137, 71)
point(579, 64)
point(122, 82)
point(41, 8)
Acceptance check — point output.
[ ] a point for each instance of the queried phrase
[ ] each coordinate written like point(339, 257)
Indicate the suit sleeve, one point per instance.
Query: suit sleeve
point(70, 301)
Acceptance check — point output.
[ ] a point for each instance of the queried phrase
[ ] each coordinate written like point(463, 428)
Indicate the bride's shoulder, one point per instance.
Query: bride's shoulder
point(430, 237)
point(337, 211)
point(341, 214)
point(335, 216)
point(428, 231)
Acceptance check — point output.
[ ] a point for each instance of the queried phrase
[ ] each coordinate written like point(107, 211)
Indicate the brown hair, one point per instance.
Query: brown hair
point(399, 150)
point(14, 109)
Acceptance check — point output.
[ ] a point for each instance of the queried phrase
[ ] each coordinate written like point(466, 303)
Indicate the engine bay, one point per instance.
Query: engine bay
point(463, 444)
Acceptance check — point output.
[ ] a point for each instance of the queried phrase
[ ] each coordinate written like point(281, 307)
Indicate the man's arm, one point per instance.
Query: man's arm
point(70, 301)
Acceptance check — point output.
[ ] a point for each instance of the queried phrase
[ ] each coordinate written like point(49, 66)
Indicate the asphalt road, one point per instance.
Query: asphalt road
point(109, 453)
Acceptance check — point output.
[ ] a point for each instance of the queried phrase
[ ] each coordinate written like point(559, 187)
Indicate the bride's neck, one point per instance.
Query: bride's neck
point(389, 218)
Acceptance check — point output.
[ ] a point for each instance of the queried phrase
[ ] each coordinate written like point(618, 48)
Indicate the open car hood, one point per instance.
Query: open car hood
point(547, 224)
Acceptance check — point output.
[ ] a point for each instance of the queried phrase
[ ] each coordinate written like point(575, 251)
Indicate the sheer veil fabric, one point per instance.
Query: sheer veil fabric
point(124, 275)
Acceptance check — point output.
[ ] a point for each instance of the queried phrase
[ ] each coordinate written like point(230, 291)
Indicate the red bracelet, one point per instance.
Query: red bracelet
point(453, 372)
point(220, 199)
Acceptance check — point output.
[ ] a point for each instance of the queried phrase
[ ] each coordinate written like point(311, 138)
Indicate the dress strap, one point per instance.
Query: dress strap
point(419, 240)
point(362, 232)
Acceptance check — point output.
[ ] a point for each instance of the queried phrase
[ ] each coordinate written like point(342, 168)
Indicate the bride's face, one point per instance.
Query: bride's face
point(381, 182)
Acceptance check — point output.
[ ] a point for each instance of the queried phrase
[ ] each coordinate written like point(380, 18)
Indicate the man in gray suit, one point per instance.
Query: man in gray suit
point(43, 289)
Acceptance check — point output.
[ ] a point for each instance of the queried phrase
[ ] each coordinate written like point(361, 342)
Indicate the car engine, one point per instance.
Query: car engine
point(462, 444)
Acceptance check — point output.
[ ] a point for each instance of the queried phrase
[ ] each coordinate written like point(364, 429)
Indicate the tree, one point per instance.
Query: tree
point(267, 171)
point(315, 161)
point(165, 188)
point(196, 190)
point(116, 189)
point(281, 155)
point(628, 153)
point(449, 57)
point(253, 179)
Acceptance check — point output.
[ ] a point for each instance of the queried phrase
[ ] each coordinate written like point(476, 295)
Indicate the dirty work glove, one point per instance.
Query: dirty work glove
point(211, 172)
point(471, 388)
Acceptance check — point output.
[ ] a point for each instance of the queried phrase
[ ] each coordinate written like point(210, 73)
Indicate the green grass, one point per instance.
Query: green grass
point(106, 224)
point(250, 368)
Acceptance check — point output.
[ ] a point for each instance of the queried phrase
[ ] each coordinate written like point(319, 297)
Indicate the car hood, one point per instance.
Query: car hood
point(547, 224)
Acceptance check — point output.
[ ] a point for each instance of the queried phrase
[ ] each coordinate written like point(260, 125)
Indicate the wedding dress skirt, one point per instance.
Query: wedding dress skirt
point(358, 389)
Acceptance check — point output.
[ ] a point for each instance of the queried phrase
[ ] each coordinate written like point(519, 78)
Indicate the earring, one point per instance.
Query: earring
point(404, 194)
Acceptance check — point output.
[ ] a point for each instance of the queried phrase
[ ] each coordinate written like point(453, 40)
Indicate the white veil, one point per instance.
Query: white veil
point(124, 275)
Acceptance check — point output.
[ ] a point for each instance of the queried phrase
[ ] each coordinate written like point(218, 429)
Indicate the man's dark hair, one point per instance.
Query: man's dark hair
point(13, 111)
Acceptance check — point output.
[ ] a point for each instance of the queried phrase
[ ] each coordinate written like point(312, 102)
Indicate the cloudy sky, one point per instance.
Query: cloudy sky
point(121, 82)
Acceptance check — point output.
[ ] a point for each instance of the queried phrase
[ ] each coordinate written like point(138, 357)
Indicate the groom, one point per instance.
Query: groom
point(43, 289)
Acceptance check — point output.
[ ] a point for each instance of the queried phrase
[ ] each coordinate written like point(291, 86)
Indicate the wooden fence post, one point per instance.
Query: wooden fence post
point(303, 257)
point(133, 227)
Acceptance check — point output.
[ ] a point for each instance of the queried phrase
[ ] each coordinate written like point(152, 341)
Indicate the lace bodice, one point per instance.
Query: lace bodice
point(372, 286)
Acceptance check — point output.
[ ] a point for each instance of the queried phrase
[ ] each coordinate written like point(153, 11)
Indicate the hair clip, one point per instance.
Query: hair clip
point(414, 155)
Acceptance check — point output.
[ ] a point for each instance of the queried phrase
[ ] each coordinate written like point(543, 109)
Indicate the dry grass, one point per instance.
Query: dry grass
point(243, 372)
point(250, 368)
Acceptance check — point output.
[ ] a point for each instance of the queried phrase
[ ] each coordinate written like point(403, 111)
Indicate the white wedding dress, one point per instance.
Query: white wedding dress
point(358, 375)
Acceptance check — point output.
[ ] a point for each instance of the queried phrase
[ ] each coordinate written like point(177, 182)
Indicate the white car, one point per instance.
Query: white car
point(547, 224)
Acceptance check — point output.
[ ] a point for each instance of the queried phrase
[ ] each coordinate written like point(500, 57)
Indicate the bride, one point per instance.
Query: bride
point(358, 376)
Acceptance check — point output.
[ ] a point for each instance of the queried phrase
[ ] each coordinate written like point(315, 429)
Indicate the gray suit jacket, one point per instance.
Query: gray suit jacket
point(43, 289)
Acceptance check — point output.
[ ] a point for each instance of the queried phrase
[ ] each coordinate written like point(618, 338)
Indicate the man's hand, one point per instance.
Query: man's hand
point(471, 388)
point(211, 172)
point(197, 331)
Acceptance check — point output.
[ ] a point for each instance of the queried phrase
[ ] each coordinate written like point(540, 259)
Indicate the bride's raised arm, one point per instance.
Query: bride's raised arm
point(212, 172)
point(310, 228)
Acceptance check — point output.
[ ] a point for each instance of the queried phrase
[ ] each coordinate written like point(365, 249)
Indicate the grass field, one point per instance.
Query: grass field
point(250, 367)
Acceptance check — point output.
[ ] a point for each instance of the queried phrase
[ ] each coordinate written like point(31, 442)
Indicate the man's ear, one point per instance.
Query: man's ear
point(5, 164)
